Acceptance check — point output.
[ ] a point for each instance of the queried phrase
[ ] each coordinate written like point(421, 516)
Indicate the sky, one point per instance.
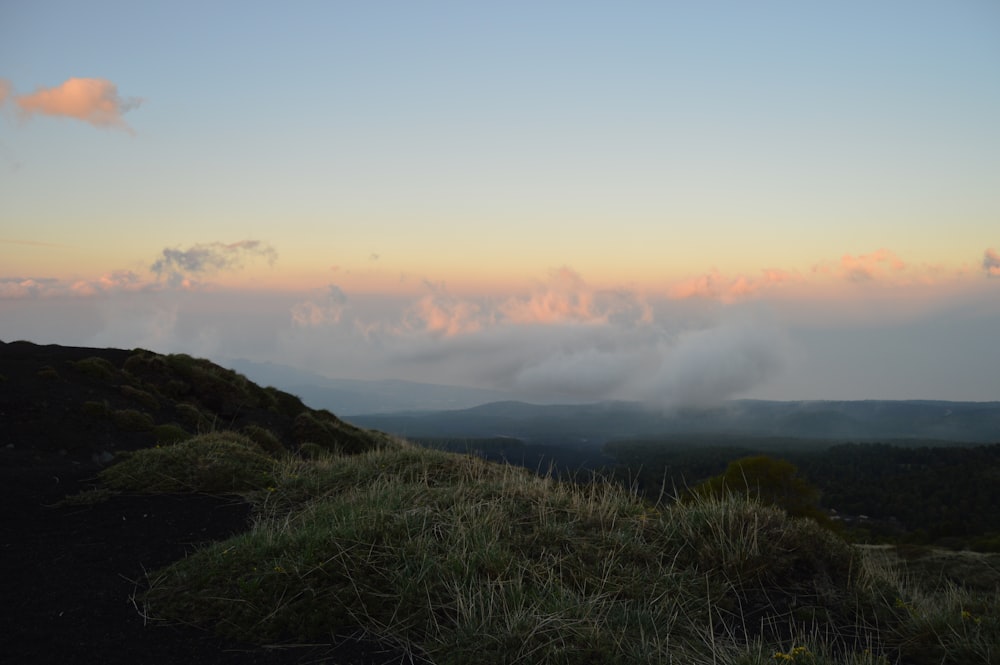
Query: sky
point(674, 202)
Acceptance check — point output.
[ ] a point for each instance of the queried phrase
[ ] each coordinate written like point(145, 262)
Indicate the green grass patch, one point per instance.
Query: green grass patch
point(218, 462)
point(469, 561)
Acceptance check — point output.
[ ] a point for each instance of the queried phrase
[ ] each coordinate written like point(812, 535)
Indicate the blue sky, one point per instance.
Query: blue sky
point(548, 195)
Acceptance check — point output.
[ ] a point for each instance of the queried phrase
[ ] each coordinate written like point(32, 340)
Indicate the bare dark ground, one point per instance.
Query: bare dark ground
point(71, 574)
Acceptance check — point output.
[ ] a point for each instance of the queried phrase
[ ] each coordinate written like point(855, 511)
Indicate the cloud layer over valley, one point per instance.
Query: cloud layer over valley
point(780, 334)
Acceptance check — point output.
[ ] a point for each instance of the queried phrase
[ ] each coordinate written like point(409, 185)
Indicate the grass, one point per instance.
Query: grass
point(220, 462)
point(462, 560)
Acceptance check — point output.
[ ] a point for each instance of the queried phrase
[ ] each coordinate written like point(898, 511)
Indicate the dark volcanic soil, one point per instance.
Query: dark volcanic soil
point(70, 573)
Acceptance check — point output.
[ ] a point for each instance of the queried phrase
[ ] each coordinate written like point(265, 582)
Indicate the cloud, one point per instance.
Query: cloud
point(880, 265)
point(27, 287)
point(181, 267)
point(716, 286)
point(117, 280)
point(328, 311)
point(95, 101)
point(566, 297)
point(440, 313)
point(705, 367)
point(560, 341)
point(5, 91)
point(49, 287)
point(991, 262)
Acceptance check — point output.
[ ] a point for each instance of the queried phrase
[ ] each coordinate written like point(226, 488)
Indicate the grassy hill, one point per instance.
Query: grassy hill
point(92, 403)
point(455, 559)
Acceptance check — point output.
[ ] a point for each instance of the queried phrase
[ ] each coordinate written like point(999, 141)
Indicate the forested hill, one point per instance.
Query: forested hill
point(873, 420)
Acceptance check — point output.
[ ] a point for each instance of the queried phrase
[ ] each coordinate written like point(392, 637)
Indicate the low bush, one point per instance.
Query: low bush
point(96, 410)
point(141, 396)
point(170, 433)
point(326, 430)
point(48, 372)
point(131, 420)
point(266, 439)
point(191, 416)
point(217, 462)
point(96, 367)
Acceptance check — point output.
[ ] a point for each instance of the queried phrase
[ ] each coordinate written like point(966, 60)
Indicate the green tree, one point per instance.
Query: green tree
point(769, 480)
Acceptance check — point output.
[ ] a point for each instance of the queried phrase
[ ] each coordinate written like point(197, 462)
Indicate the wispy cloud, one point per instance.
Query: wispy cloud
point(991, 262)
point(184, 268)
point(91, 100)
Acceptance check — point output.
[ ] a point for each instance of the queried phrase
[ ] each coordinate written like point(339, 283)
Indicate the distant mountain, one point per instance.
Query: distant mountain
point(873, 420)
point(354, 396)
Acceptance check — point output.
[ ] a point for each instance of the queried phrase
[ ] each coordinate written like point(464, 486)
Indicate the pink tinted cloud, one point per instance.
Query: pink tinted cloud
point(47, 287)
point(4, 91)
point(95, 101)
point(328, 310)
point(870, 266)
point(27, 287)
point(565, 297)
point(879, 265)
point(448, 316)
point(991, 262)
point(717, 286)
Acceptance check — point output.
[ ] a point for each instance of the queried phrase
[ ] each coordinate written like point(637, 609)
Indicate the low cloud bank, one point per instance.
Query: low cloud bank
point(562, 341)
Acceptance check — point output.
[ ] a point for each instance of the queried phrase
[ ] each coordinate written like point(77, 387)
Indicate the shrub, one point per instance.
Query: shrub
point(224, 391)
point(265, 438)
point(312, 451)
point(192, 417)
point(95, 409)
point(170, 433)
point(216, 462)
point(130, 420)
point(327, 431)
point(772, 481)
point(96, 367)
point(284, 403)
point(141, 396)
point(48, 372)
